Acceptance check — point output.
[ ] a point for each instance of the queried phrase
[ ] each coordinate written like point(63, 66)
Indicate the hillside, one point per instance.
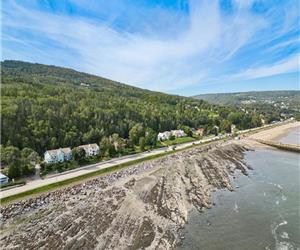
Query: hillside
point(280, 102)
point(46, 107)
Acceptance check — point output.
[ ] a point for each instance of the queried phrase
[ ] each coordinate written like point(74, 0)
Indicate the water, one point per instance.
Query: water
point(292, 137)
point(263, 213)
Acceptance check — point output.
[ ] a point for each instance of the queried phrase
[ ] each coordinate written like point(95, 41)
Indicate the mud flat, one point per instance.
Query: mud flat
point(144, 206)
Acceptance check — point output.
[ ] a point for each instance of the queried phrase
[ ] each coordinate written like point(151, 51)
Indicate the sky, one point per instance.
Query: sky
point(184, 47)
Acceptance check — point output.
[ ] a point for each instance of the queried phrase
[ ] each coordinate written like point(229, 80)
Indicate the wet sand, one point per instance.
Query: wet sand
point(276, 133)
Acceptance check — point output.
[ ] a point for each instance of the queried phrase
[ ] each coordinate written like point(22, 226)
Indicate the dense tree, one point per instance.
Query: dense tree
point(34, 158)
point(225, 126)
point(136, 132)
point(44, 107)
point(187, 130)
point(26, 152)
point(107, 147)
point(10, 155)
point(78, 154)
point(14, 170)
point(150, 137)
point(142, 143)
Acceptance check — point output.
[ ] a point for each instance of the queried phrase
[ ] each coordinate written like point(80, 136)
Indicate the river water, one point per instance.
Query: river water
point(263, 212)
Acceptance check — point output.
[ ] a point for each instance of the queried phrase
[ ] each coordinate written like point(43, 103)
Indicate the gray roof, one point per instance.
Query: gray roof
point(55, 151)
point(2, 176)
point(87, 146)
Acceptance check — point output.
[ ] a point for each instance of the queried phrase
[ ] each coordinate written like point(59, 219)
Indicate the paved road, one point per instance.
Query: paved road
point(105, 164)
point(92, 168)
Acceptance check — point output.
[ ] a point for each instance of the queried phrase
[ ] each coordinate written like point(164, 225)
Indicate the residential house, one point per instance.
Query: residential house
point(164, 136)
point(199, 131)
point(3, 179)
point(90, 149)
point(57, 155)
point(84, 84)
point(178, 133)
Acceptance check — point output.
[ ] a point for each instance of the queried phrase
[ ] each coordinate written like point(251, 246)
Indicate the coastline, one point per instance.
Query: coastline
point(275, 133)
point(146, 205)
point(269, 190)
point(143, 206)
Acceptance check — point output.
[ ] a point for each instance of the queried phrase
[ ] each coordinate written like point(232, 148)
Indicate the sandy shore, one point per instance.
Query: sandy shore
point(275, 133)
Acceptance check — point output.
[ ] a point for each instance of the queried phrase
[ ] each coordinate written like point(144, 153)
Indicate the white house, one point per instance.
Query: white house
point(90, 149)
point(164, 136)
point(178, 133)
point(3, 179)
point(57, 155)
point(84, 84)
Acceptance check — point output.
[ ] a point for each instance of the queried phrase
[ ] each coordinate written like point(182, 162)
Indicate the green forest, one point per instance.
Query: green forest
point(47, 107)
point(272, 104)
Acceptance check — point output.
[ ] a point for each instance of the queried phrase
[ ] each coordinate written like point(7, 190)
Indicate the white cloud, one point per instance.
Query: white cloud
point(201, 48)
point(286, 66)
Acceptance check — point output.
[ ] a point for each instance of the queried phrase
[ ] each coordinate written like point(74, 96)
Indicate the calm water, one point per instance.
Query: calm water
point(293, 137)
point(263, 213)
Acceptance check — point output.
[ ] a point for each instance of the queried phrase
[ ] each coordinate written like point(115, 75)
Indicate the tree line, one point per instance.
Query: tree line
point(44, 107)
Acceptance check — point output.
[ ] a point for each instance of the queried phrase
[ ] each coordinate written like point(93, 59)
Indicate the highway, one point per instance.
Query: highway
point(110, 163)
point(95, 167)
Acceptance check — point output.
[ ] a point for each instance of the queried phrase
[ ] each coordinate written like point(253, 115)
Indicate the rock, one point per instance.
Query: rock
point(143, 206)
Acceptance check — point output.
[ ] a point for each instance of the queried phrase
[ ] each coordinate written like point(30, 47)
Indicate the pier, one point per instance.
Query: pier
point(279, 145)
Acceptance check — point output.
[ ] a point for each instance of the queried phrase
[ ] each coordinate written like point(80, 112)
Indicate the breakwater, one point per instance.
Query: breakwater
point(280, 145)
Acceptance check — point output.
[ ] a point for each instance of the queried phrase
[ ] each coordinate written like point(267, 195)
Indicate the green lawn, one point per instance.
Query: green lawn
point(177, 141)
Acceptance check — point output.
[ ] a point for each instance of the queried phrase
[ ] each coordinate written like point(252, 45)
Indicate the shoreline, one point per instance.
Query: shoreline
point(146, 205)
point(275, 133)
point(268, 186)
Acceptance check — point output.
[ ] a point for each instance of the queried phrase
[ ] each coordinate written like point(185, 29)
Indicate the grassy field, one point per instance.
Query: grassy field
point(78, 179)
point(176, 141)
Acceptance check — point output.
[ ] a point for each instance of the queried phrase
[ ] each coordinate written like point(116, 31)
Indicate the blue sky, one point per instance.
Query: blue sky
point(184, 47)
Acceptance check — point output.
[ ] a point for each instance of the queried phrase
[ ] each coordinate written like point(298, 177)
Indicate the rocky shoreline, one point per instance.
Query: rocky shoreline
point(144, 206)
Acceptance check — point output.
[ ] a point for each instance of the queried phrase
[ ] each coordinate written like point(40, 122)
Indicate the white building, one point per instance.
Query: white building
point(167, 134)
point(3, 179)
point(57, 155)
point(178, 133)
point(90, 149)
point(84, 84)
point(164, 136)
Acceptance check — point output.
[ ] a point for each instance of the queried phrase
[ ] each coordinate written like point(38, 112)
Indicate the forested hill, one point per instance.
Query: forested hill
point(24, 72)
point(274, 104)
point(46, 107)
point(291, 97)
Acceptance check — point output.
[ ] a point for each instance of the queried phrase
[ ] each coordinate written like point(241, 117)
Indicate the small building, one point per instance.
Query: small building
point(178, 133)
point(58, 155)
point(199, 131)
point(3, 179)
point(90, 149)
point(85, 84)
point(164, 136)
